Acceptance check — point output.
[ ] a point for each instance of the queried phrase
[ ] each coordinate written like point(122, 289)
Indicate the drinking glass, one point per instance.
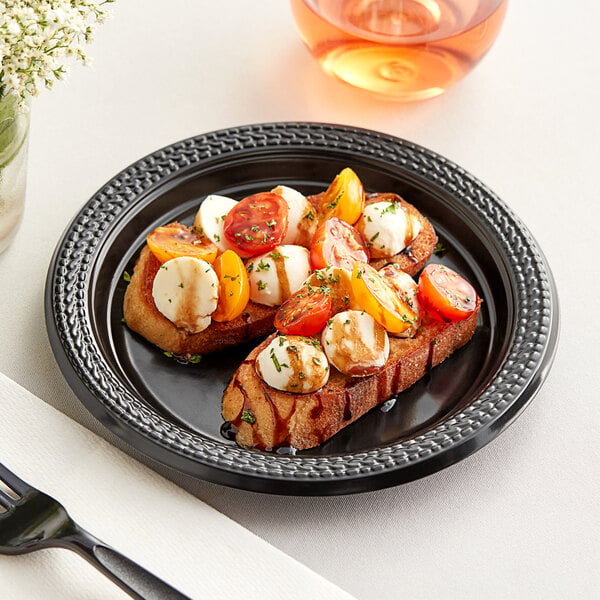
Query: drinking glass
point(399, 49)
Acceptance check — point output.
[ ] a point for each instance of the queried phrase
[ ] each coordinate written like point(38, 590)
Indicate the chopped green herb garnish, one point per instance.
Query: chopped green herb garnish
point(275, 361)
point(439, 249)
point(248, 417)
point(392, 208)
point(263, 266)
point(261, 285)
point(126, 276)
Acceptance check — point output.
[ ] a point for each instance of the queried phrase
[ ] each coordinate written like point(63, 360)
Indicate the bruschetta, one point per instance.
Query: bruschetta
point(219, 282)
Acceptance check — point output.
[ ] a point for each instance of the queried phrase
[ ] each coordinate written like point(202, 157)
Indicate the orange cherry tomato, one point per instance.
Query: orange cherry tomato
point(256, 224)
point(445, 295)
point(337, 244)
point(175, 240)
point(306, 312)
point(234, 289)
point(344, 198)
point(375, 296)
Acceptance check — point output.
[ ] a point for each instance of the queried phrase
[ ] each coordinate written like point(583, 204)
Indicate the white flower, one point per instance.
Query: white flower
point(36, 38)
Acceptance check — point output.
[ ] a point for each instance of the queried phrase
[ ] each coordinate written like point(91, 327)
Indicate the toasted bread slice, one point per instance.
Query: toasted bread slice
point(142, 316)
point(307, 420)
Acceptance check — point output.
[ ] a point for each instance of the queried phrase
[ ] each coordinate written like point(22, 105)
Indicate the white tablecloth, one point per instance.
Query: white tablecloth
point(520, 517)
point(184, 541)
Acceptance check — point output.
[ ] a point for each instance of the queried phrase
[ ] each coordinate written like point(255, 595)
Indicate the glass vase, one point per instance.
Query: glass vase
point(14, 137)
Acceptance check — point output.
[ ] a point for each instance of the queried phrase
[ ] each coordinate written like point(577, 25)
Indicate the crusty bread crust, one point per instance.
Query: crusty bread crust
point(142, 316)
point(307, 420)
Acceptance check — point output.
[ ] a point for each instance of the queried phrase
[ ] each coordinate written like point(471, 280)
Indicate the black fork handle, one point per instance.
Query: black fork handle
point(128, 575)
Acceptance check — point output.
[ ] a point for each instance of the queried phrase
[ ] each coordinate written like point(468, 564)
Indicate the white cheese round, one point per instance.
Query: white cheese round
point(355, 343)
point(302, 218)
point(186, 291)
point(387, 228)
point(276, 275)
point(292, 364)
point(210, 218)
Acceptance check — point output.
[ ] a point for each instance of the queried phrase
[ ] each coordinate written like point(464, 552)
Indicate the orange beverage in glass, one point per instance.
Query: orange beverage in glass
point(399, 49)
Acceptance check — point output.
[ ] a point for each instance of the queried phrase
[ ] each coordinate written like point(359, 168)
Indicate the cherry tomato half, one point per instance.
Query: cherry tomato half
point(234, 289)
point(256, 224)
point(337, 244)
point(304, 313)
point(175, 240)
point(344, 198)
point(338, 283)
point(374, 295)
point(445, 295)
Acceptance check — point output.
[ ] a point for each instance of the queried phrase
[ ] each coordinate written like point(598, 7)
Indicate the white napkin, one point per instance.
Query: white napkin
point(187, 543)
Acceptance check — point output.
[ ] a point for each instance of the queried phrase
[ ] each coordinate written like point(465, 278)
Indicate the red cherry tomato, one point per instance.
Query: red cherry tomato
point(445, 295)
point(256, 224)
point(337, 244)
point(306, 312)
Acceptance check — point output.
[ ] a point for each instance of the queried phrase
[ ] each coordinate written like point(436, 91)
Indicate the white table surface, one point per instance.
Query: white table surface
point(520, 517)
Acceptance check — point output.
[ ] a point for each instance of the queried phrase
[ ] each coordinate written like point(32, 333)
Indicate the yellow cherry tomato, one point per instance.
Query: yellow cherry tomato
point(344, 198)
point(175, 240)
point(375, 296)
point(234, 289)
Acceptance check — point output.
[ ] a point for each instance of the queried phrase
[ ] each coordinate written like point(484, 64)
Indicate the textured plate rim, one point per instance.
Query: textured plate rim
point(524, 368)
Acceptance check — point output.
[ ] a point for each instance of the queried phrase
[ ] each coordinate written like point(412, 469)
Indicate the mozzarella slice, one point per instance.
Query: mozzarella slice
point(210, 218)
point(293, 364)
point(186, 291)
point(302, 218)
point(387, 228)
point(355, 343)
point(406, 287)
point(276, 275)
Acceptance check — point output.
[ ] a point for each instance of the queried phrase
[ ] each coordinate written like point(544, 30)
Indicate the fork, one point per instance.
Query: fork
point(31, 520)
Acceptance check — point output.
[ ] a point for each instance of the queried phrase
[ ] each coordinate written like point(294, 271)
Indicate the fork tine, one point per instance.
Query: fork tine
point(5, 501)
point(12, 481)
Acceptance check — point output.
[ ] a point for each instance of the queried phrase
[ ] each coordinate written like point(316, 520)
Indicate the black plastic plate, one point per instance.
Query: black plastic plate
point(171, 411)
